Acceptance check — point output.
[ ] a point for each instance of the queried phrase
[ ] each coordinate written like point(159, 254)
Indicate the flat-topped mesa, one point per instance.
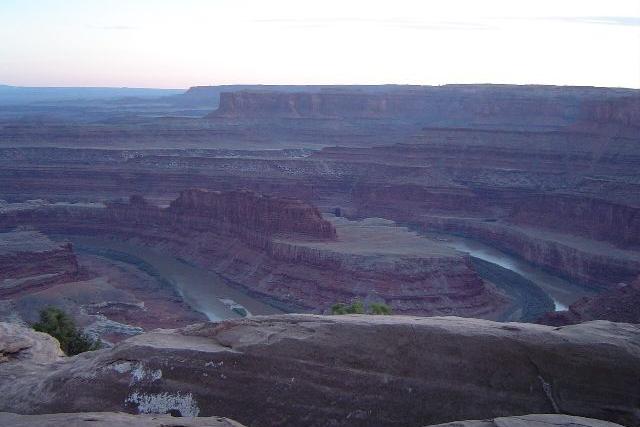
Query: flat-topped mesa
point(253, 211)
point(483, 106)
point(301, 104)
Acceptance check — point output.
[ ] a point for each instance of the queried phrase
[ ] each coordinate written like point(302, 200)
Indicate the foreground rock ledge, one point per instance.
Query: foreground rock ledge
point(309, 370)
point(535, 420)
point(109, 419)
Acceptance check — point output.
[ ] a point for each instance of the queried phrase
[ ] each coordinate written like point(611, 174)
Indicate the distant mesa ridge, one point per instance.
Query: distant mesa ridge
point(461, 105)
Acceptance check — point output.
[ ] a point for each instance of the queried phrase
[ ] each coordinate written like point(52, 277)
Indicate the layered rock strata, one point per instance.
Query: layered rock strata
point(493, 106)
point(621, 304)
point(585, 261)
point(283, 250)
point(30, 261)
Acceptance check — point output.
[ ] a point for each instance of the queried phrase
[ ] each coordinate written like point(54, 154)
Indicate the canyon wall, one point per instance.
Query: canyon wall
point(621, 304)
point(559, 160)
point(283, 251)
point(583, 261)
point(577, 186)
point(482, 106)
point(250, 210)
point(29, 261)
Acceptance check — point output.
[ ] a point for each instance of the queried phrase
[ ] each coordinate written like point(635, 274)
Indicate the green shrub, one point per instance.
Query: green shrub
point(357, 307)
point(59, 325)
point(379, 308)
point(339, 308)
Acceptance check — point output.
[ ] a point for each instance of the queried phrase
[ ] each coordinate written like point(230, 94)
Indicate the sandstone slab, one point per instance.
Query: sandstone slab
point(534, 420)
point(110, 419)
point(312, 370)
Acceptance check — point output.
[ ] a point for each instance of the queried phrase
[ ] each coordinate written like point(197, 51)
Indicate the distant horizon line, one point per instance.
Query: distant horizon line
point(315, 84)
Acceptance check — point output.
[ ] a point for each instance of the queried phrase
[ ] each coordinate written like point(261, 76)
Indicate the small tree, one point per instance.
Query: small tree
point(59, 325)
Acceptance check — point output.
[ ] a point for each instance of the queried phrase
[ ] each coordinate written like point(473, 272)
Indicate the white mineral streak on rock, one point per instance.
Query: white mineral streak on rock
point(162, 403)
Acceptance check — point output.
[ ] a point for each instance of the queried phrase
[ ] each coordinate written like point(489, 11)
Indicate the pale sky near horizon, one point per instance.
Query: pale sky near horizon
point(177, 44)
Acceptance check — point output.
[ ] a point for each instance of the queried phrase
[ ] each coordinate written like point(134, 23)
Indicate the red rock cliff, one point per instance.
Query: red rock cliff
point(253, 211)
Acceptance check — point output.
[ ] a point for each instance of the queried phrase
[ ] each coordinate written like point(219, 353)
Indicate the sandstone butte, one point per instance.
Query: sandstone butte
point(283, 249)
point(357, 370)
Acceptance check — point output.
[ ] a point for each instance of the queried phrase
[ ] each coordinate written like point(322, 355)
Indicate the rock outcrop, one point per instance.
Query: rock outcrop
point(110, 419)
point(22, 345)
point(253, 211)
point(533, 420)
point(29, 261)
point(310, 370)
point(621, 304)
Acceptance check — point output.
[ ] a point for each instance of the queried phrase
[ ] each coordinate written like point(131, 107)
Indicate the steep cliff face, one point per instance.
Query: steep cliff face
point(493, 106)
point(313, 105)
point(621, 304)
point(29, 260)
point(345, 371)
point(253, 211)
point(584, 261)
point(583, 216)
point(621, 115)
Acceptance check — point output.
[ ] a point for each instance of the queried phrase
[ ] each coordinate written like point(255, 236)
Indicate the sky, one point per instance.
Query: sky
point(183, 43)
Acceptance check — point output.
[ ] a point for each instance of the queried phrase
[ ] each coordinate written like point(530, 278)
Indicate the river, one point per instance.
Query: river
point(561, 291)
point(204, 290)
point(210, 294)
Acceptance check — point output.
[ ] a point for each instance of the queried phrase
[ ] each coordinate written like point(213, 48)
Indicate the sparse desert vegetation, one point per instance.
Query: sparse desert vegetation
point(61, 326)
